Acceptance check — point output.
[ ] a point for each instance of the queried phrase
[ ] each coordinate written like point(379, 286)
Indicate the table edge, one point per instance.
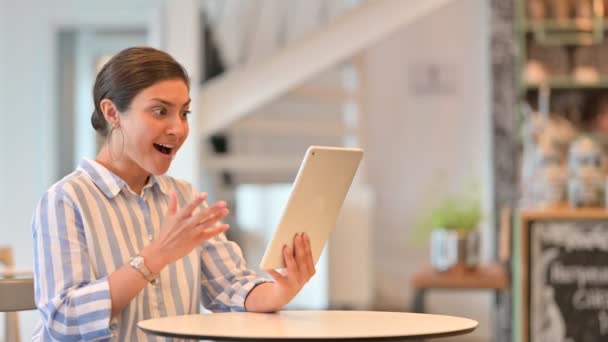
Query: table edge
point(381, 338)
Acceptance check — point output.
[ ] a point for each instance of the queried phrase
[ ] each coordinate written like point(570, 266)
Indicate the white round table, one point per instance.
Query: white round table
point(309, 325)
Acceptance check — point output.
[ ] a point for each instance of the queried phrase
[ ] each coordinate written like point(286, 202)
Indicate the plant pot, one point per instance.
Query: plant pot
point(451, 247)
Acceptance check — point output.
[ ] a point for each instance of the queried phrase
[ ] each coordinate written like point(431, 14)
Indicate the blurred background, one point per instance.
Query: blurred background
point(413, 82)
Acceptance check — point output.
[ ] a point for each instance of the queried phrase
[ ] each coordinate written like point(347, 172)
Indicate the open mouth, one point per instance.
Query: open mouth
point(164, 149)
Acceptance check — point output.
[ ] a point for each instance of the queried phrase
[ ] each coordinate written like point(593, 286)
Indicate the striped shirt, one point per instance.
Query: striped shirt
point(89, 224)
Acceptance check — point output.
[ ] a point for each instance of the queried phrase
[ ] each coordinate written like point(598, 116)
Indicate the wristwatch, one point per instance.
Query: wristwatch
point(137, 262)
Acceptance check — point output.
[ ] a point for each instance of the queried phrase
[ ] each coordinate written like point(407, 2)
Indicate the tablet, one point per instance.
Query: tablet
point(320, 186)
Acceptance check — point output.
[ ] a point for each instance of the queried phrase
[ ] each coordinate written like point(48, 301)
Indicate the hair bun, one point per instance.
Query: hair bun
point(99, 123)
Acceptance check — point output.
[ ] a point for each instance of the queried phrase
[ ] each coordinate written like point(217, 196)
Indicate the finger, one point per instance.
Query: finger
point(186, 211)
point(214, 209)
point(213, 231)
point(300, 253)
point(172, 205)
point(290, 261)
point(278, 277)
point(218, 204)
point(310, 263)
point(213, 213)
point(212, 219)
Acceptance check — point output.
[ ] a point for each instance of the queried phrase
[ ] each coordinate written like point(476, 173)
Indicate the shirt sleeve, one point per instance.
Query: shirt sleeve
point(73, 304)
point(226, 280)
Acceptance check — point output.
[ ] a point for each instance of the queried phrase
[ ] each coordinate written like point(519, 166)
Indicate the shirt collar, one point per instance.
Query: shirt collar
point(111, 184)
point(159, 181)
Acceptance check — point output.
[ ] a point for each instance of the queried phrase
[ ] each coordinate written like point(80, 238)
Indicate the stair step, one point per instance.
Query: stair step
point(297, 109)
point(254, 163)
point(325, 94)
point(291, 128)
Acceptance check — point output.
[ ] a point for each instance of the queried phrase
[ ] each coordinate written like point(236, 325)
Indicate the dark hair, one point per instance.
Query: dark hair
point(126, 74)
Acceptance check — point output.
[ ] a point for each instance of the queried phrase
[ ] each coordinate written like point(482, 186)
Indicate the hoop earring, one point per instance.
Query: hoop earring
point(122, 145)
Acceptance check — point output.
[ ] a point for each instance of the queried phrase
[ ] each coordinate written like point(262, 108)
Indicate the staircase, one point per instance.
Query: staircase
point(295, 76)
point(266, 144)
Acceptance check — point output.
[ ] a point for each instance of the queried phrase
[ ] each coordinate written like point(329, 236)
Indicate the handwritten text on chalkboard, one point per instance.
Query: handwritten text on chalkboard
point(569, 281)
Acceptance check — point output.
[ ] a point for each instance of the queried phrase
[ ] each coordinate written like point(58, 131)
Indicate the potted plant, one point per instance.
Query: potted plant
point(453, 229)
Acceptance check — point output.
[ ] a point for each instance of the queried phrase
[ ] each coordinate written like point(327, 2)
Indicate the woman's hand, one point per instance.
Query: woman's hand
point(182, 231)
point(300, 268)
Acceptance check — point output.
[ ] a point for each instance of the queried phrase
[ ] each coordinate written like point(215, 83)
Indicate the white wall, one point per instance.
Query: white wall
point(4, 116)
point(416, 137)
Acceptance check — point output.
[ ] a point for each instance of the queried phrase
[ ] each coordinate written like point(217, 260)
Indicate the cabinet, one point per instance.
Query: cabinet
point(562, 60)
point(561, 71)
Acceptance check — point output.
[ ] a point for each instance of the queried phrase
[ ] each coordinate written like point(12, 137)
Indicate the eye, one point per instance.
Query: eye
point(185, 114)
point(160, 111)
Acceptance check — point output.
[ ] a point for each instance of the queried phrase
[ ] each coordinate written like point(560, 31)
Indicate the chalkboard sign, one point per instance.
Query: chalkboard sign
point(566, 281)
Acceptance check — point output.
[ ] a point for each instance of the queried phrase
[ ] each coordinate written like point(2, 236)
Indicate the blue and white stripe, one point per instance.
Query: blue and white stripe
point(89, 224)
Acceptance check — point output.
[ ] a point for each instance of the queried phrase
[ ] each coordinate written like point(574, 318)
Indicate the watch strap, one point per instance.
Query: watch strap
point(138, 263)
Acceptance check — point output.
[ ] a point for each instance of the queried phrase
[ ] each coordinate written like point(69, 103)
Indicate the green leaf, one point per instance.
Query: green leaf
point(457, 212)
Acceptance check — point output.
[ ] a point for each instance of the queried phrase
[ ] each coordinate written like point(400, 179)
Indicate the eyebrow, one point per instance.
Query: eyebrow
point(170, 104)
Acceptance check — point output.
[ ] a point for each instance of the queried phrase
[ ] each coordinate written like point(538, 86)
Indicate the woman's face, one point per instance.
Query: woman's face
point(155, 126)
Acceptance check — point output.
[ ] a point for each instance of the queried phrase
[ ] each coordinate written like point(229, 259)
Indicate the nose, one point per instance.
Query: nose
point(177, 126)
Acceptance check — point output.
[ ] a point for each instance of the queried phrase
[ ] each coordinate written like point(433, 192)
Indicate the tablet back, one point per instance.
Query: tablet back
point(318, 191)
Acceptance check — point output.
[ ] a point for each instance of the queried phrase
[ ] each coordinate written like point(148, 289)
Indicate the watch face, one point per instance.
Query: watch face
point(137, 261)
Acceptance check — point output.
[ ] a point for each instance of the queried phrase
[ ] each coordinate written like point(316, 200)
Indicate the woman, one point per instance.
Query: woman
point(116, 241)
